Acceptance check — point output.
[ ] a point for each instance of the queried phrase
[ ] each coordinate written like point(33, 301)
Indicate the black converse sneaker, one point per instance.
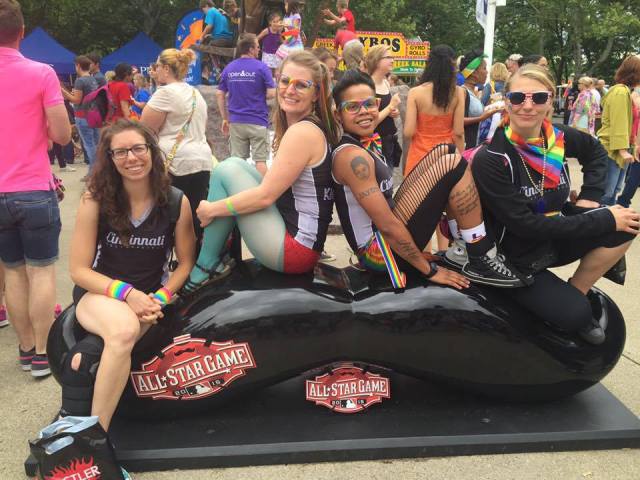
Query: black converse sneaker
point(491, 269)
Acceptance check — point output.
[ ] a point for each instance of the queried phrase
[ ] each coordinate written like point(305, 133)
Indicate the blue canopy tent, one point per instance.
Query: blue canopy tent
point(139, 52)
point(41, 47)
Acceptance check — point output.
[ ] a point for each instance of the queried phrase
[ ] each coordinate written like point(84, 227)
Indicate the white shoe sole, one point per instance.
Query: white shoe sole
point(4, 323)
point(40, 373)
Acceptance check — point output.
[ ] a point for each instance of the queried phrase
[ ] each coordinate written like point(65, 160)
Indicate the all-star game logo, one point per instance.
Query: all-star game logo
point(192, 368)
point(348, 389)
point(77, 470)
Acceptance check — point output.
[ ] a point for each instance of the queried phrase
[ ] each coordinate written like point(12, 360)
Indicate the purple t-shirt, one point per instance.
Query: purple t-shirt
point(246, 80)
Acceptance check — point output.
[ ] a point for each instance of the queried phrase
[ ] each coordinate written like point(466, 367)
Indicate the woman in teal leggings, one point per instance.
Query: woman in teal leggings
point(283, 217)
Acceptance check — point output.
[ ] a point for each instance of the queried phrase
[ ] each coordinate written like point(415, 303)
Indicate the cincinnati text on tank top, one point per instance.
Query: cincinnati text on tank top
point(307, 206)
point(144, 262)
point(554, 198)
point(356, 224)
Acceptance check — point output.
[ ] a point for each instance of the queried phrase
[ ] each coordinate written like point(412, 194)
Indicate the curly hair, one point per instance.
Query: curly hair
point(105, 184)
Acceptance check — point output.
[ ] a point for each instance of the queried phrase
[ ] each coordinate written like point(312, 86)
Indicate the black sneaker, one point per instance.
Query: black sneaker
point(593, 333)
point(491, 269)
point(26, 358)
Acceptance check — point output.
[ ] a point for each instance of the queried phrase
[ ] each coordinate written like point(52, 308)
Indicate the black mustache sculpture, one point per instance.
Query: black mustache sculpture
point(256, 328)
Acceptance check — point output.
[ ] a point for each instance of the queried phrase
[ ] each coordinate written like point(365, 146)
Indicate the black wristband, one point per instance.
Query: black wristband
point(433, 271)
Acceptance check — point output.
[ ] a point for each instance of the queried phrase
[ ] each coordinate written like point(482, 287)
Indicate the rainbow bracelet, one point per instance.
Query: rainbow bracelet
point(230, 207)
point(164, 295)
point(119, 290)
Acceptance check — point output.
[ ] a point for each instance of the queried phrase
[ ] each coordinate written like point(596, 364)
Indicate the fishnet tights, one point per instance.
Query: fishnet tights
point(422, 180)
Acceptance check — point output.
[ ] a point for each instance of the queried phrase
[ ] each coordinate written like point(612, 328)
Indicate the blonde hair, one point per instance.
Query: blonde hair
point(587, 81)
point(499, 72)
point(374, 56)
point(139, 76)
point(177, 60)
point(342, 4)
point(533, 72)
point(323, 106)
point(109, 75)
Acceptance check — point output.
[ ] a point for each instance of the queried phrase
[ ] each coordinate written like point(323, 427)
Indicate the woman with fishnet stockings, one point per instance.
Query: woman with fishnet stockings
point(364, 189)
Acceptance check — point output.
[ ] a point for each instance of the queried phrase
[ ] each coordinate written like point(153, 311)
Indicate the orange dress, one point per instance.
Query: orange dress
point(431, 130)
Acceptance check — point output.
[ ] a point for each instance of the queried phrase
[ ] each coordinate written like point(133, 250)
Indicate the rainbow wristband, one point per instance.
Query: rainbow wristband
point(119, 290)
point(164, 295)
point(230, 207)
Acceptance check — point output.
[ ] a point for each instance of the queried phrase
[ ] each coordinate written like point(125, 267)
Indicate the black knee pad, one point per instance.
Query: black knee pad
point(77, 385)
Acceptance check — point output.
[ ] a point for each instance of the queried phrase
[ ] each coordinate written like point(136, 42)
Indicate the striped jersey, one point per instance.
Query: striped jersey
point(356, 223)
point(307, 206)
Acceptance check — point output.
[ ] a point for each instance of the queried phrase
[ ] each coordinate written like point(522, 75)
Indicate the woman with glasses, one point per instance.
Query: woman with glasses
point(379, 225)
point(127, 224)
point(379, 64)
point(524, 185)
point(177, 113)
point(283, 217)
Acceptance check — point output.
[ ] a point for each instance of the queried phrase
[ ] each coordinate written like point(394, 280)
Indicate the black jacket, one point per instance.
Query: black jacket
point(526, 237)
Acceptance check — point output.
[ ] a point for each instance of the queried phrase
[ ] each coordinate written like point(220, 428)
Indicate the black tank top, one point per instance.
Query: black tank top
point(143, 262)
point(356, 224)
point(307, 206)
point(387, 126)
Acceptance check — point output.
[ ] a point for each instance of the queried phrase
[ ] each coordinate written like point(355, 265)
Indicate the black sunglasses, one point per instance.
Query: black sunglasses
point(518, 98)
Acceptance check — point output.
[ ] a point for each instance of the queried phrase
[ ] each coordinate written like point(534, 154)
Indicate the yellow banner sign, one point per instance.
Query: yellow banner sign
point(398, 45)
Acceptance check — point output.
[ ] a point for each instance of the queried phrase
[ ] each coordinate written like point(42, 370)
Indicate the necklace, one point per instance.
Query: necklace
point(540, 204)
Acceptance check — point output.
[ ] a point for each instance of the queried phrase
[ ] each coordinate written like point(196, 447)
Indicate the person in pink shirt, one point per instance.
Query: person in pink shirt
point(29, 214)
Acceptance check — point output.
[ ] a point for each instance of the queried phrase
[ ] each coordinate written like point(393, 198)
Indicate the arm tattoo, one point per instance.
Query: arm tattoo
point(360, 168)
point(466, 200)
point(367, 192)
point(408, 250)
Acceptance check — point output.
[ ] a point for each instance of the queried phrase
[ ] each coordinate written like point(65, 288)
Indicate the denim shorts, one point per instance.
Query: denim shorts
point(29, 228)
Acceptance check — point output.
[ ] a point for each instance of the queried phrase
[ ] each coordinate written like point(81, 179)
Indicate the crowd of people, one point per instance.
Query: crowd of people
point(485, 167)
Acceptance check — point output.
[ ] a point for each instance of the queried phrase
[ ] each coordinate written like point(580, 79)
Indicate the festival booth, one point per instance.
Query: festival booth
point(261, 368)
point(41, 47)
point(409, 56)
point(140, 52)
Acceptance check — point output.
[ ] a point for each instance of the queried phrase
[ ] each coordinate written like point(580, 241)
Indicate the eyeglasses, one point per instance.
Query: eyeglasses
point(299, 84)
point(354, 106)
point(122, 153)
point(387, 57)
point(538, 98)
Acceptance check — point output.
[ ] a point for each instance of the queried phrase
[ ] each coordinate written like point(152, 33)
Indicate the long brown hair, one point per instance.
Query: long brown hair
point(322, 107)
point(105, 184)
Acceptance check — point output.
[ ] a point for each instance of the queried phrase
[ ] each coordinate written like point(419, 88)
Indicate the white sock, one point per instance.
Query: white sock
point(472, 235)
point(453, 228)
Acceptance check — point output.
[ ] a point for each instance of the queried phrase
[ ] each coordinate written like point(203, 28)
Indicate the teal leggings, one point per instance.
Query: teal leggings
point(263, 231)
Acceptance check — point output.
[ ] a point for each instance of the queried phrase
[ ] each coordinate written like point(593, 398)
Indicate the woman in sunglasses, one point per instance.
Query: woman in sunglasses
point(127, 224)
point(375, 222)
point(283, 217)
point(524, 185)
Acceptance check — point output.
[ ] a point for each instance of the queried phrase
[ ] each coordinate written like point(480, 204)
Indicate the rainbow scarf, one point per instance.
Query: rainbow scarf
point(373, 143)
point(532, 151)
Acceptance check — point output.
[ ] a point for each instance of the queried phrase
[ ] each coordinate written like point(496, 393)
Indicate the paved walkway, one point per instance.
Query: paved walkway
point(29, 404)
